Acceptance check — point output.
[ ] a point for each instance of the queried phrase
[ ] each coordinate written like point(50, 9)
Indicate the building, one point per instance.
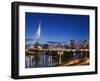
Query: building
point(72, 44)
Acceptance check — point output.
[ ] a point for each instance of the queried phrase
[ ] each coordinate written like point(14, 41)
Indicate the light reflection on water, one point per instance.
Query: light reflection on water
point(41, 61)
point(45, 60)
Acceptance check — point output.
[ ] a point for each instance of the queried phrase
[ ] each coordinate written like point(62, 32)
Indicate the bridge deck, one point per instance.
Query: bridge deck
point(33, 51)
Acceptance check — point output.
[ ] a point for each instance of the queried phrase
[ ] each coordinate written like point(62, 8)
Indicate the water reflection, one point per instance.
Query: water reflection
point(53, 59)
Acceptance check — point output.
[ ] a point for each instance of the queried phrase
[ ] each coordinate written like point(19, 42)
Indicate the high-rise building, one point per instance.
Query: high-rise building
point(72, 44)
point(86, 44)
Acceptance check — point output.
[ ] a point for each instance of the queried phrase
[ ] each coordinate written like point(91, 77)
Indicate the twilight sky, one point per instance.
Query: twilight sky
point(57, 27)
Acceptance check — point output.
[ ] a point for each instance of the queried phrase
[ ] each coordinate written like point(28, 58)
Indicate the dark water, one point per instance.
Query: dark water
point(39, 61)
point(45, 60)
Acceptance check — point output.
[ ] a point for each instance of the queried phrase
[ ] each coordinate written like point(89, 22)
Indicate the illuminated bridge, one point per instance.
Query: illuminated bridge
point(33, 51)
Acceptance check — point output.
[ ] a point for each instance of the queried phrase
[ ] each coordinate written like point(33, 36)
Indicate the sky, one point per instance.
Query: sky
point(57, 27)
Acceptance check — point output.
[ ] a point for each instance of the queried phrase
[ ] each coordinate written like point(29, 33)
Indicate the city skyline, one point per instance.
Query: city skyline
point(57, 27)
